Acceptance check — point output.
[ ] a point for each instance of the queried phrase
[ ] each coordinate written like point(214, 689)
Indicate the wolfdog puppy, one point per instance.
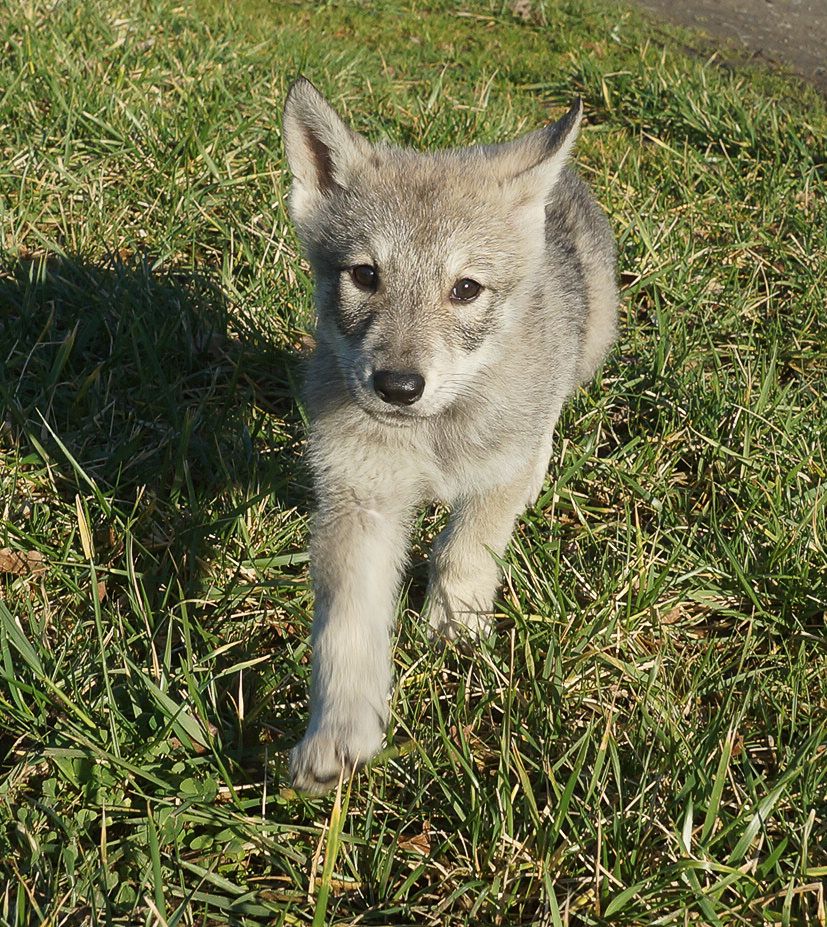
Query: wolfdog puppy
point(462, 296)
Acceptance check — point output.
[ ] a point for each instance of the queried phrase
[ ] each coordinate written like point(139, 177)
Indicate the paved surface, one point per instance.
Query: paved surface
point(790, 31)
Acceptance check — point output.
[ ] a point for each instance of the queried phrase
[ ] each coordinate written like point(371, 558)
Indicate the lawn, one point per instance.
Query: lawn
point(644, 741)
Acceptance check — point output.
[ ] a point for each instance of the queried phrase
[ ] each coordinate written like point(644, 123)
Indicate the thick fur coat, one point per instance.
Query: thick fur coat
point(461, 296)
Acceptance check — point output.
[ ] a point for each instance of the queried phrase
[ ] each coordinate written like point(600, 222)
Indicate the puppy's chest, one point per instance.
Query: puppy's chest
point(475, 458)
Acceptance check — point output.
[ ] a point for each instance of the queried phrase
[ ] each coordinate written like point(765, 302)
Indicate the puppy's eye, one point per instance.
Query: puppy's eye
point(365, 277)
point(465, 290)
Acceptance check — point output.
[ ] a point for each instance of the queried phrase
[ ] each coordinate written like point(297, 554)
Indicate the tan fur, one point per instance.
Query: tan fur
point(494, 372)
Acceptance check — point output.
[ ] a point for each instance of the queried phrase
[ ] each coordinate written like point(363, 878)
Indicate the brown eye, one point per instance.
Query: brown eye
point(465, 290)
point(365, 277)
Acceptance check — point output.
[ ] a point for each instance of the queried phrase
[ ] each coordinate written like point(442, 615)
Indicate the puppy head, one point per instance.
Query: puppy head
point(421, 261)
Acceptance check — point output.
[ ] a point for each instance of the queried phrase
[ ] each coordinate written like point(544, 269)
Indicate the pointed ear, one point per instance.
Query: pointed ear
point(531, 165)
point(321, 150)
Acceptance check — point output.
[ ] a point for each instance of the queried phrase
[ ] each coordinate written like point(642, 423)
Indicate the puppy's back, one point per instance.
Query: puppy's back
point(582, 248)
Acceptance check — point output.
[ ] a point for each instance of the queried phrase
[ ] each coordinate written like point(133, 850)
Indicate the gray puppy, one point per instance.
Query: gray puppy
point(462, 296)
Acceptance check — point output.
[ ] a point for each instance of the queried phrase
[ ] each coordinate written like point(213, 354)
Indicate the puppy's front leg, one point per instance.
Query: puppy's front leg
point(464, 572)
point(357, 555)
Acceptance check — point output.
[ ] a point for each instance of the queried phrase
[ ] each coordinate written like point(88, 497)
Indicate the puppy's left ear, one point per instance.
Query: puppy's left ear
point(529, 167)
point(557, 142)
point(322, 151)
point(540, 156)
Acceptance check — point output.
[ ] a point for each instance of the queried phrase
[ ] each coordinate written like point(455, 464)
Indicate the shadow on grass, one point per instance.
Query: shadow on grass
point(138, 391)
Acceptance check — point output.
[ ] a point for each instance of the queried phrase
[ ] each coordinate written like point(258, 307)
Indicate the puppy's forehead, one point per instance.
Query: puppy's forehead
point(431, 204)
point(441, 185)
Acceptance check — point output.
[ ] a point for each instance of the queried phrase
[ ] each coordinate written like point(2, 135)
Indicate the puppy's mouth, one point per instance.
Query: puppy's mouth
point(398, 417)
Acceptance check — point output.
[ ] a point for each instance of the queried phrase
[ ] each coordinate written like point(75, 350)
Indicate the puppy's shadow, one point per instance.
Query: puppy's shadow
point(144, 393)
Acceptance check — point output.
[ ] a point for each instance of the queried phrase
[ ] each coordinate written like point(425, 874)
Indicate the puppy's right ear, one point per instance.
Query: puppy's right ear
point(322, 151)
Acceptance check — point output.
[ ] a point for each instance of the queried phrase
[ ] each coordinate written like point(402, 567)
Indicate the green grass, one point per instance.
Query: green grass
point(645, 740)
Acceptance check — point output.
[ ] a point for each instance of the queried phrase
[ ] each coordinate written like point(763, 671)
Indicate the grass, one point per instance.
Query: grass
point(644, 741)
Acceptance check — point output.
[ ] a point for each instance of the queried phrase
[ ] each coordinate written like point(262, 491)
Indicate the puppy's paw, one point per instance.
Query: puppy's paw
point(450, 620)
point(317, 762)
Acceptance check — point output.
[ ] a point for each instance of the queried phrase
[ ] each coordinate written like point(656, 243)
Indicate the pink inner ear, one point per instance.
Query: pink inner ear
point(322, 161)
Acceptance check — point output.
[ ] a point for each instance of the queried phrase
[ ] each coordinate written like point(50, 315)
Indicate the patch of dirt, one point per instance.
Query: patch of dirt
point(793, 32)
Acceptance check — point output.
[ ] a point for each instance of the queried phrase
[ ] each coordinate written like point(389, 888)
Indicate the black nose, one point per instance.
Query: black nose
point(398, 387)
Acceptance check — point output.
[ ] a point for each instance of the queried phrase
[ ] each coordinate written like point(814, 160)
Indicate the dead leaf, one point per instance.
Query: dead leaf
point(419, 843)
point(197, 748)
point(673, 615)
point(521, 9)
point(22, 563)
point(306, 344)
